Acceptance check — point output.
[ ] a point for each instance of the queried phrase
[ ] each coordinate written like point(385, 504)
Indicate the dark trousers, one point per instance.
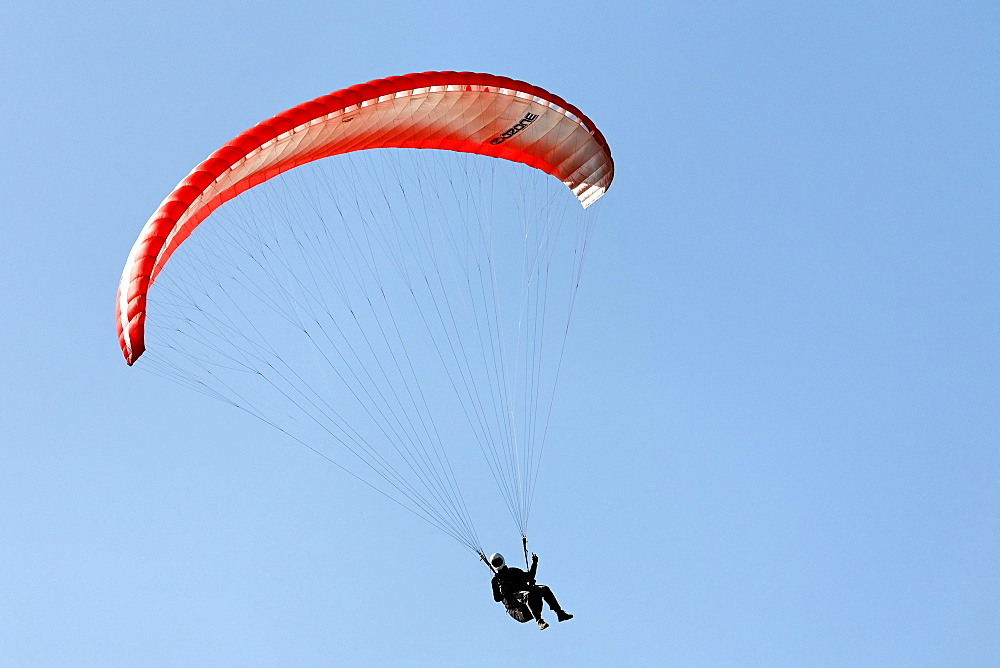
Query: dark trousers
point(533, 598)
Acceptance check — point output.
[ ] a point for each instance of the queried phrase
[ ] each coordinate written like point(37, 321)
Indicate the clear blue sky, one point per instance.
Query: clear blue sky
point(776, 440)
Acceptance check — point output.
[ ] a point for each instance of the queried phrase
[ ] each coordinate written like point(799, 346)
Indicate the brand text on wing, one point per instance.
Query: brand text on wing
point(527, 120)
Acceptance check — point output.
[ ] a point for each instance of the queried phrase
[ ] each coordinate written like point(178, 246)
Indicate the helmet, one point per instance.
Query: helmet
point(497, 560)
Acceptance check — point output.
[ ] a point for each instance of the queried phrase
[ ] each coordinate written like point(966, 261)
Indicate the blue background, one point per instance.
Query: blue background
point(776, 436)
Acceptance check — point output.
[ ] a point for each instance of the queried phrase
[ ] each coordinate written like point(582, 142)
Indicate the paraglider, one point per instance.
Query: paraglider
point(521, 595)
point(378, 261)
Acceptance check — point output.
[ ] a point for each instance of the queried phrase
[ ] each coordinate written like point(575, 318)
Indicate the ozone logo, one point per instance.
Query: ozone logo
point(528, 119)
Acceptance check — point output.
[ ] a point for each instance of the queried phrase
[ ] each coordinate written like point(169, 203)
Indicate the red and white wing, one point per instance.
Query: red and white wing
point(457, 111)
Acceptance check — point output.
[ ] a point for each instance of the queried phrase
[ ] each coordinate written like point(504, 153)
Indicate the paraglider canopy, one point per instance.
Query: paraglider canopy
point(360, 304)
point(458, 111)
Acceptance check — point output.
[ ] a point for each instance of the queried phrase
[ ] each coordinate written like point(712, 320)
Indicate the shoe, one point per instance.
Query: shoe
point(562, 616)
point(542, 625)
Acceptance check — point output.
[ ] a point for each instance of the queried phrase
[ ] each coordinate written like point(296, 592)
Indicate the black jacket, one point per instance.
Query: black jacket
point(509, 581)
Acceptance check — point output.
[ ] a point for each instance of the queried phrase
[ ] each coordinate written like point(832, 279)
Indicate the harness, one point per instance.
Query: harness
point(517, 610)
point(515, 607)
